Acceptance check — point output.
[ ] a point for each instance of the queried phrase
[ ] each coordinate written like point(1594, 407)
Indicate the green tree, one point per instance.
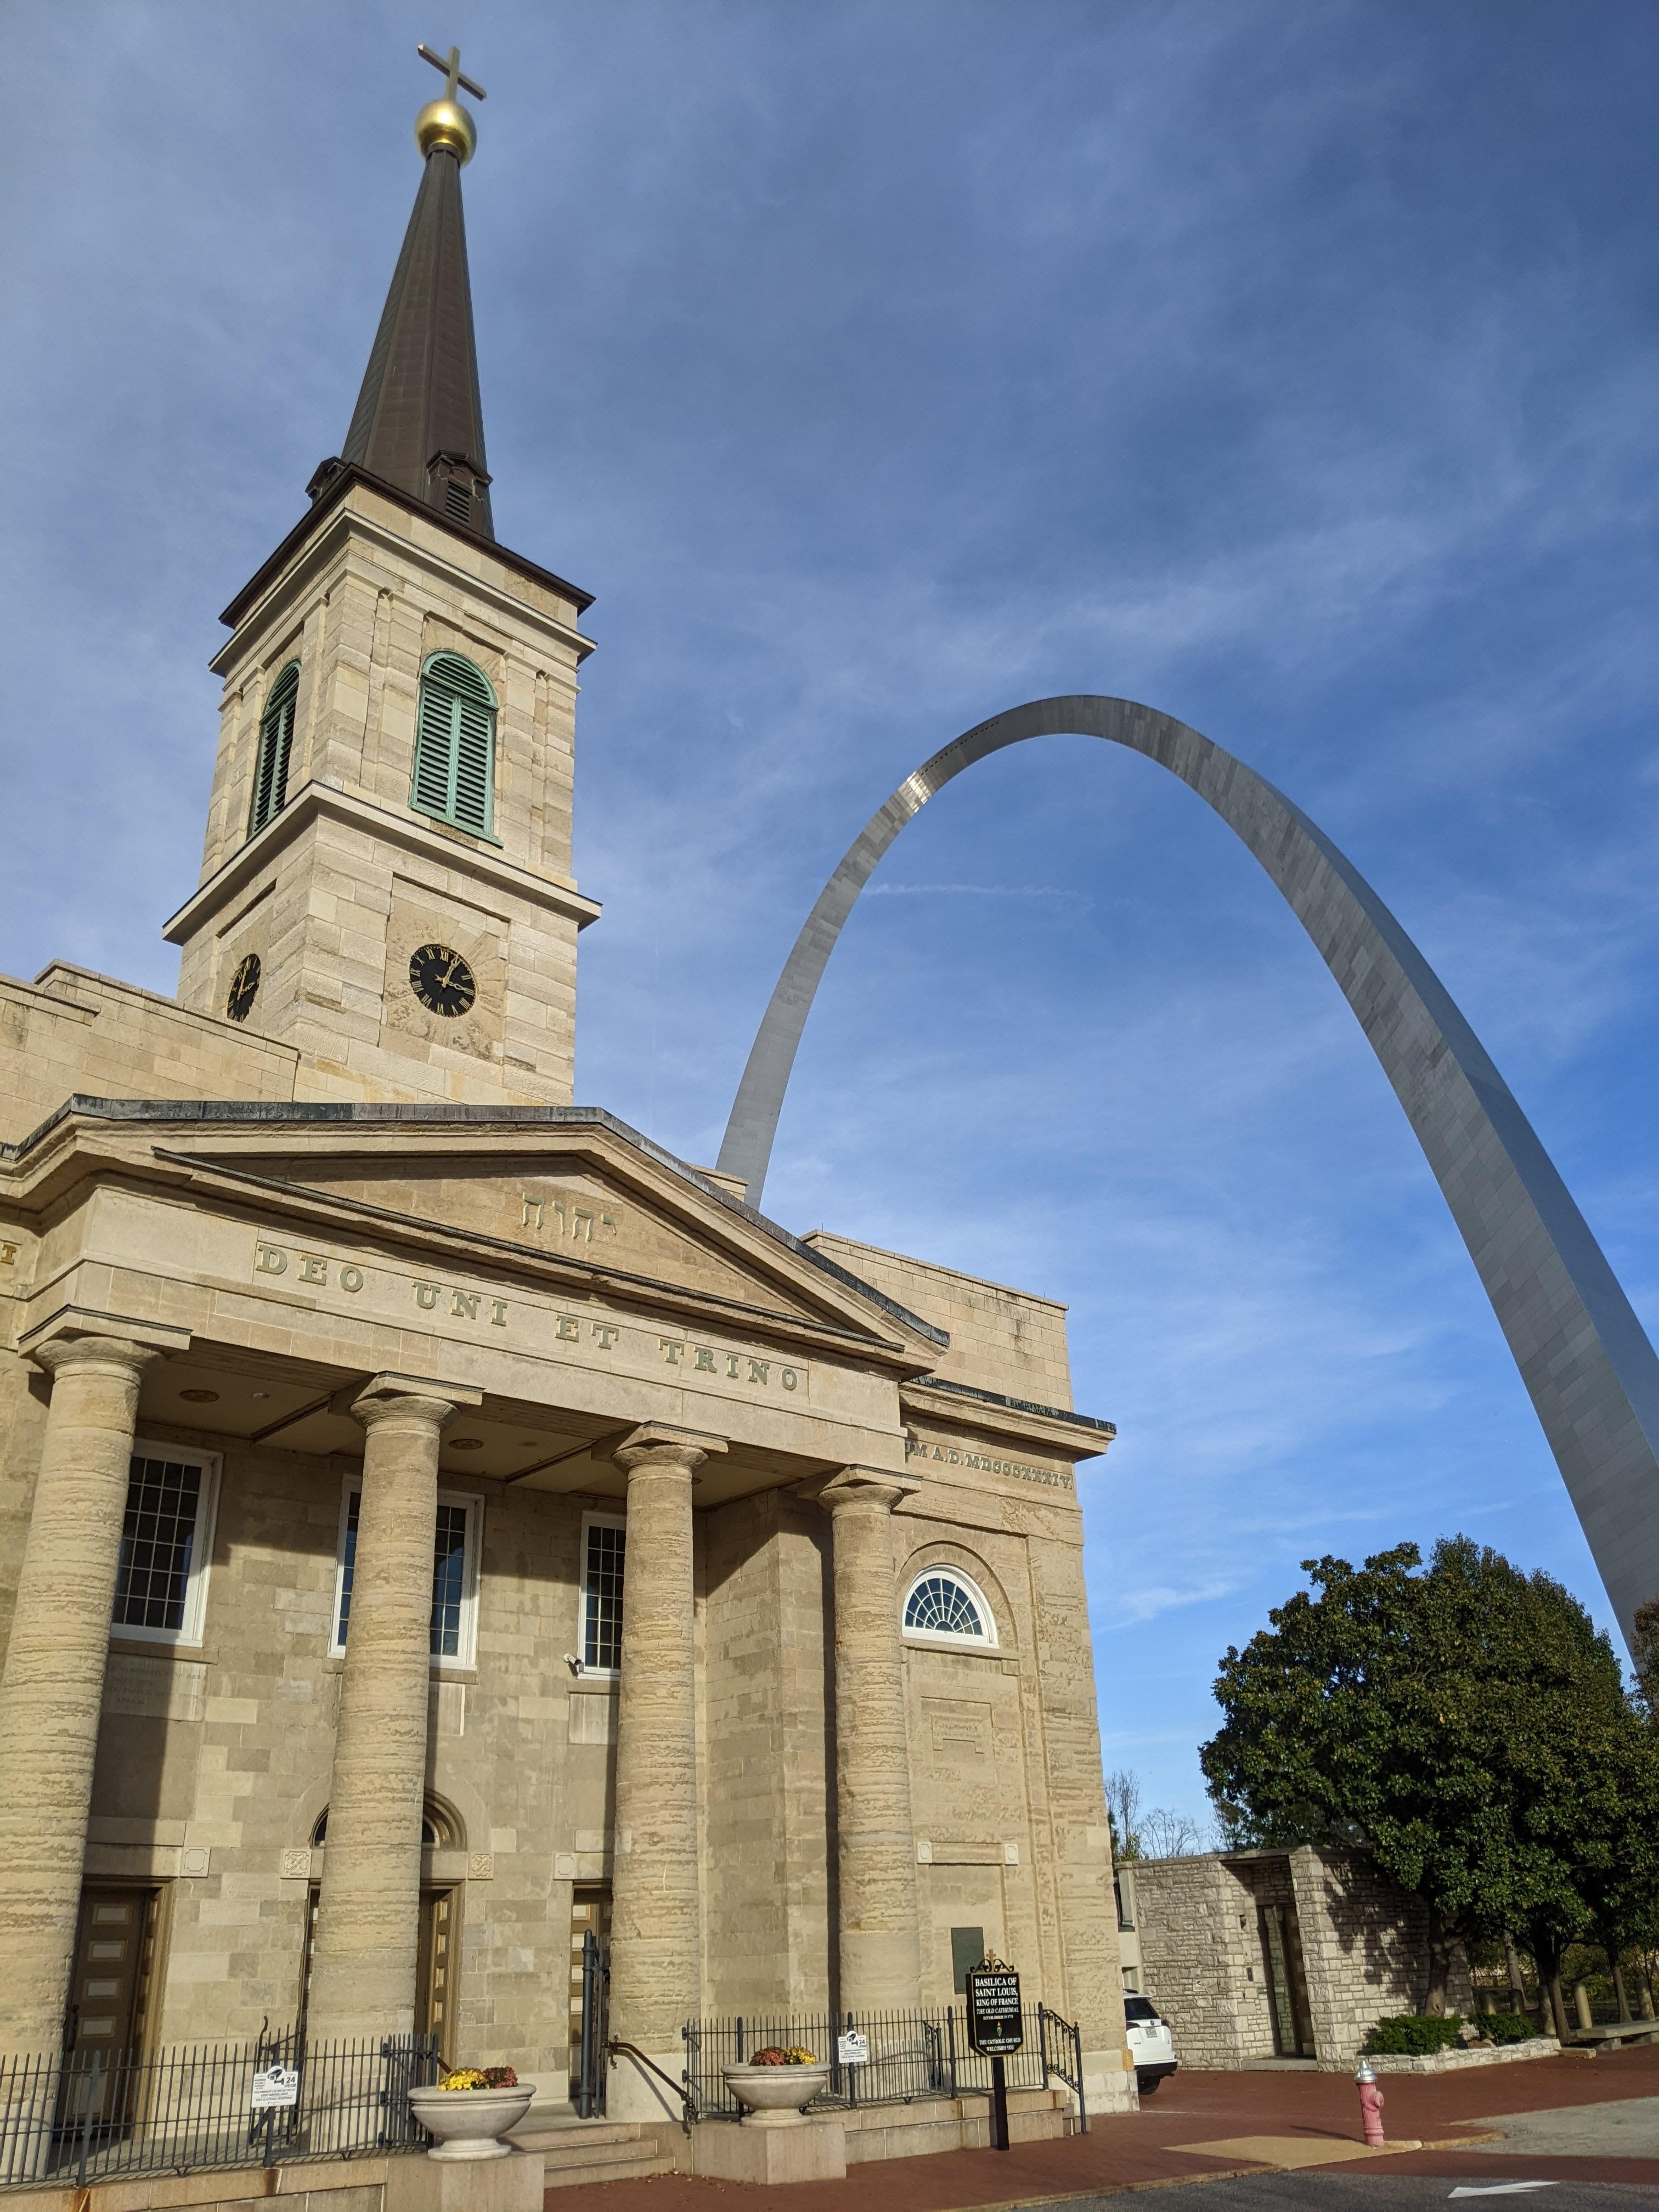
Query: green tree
point(1644, 1655)
point(1450, 1721)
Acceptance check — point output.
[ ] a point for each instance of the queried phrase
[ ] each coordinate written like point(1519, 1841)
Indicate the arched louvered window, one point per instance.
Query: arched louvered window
point(455, 744)
point(943, 1606)
point(276, 744)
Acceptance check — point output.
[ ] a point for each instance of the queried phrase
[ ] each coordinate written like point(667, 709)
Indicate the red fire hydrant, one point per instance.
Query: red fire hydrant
point(1370, 2103)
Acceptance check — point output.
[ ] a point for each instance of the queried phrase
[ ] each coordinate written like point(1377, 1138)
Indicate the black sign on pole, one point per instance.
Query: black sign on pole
point(994, 2029)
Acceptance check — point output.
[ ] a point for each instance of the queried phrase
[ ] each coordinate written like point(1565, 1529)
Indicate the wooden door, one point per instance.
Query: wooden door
point(434, 1970)
point(110, 1985)
point(114, 1967)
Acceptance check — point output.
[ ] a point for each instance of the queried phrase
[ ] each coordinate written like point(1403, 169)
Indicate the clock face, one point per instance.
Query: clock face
point(441, 981)
point(244, 990)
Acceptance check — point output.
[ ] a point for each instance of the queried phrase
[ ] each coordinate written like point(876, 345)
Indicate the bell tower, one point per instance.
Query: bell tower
point(386, 875)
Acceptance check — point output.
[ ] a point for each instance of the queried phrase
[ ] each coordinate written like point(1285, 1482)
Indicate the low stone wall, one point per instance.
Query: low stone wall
point(353, 2184)
point(1451, 2062)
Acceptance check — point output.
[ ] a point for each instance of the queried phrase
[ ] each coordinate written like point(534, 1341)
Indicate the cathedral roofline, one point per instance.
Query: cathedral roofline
point(332, 481)
point(273, 1114)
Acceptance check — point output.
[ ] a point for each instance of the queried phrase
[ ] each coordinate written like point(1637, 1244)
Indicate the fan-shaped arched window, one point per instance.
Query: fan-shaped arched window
point(944, 1607)
point(455, 744)
point(276, 744)
point(437, 1829)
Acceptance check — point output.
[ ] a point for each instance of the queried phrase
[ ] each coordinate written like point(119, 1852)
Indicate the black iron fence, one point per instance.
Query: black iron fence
point(912, 2055)
point(80, 2117)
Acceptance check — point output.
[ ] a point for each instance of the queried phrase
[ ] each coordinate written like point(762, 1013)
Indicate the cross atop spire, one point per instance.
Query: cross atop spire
point(450, 63)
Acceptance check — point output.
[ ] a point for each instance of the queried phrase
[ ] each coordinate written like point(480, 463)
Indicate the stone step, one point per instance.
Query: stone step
point(576, 2151)
point(639, 2167)
point(597, 2150)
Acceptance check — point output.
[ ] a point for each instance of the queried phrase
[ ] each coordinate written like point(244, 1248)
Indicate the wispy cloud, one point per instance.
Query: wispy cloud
point(1238, 360)
point(1055, 893)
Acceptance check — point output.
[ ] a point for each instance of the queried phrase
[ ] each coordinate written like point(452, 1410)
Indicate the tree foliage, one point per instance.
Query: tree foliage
point(1468, 1726)
point(1644, 1652)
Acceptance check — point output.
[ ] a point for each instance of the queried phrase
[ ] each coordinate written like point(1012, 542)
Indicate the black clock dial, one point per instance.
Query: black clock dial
point(441, 981)
point(244, 990)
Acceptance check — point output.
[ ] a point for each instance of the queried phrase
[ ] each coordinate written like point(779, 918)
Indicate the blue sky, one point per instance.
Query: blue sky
point(1291, 367)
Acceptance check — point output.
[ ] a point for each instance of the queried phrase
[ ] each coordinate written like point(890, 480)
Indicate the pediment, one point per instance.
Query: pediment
point(641, 1227)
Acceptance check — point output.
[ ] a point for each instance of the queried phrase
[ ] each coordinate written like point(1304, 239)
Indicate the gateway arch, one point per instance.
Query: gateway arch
point(1585, 1358)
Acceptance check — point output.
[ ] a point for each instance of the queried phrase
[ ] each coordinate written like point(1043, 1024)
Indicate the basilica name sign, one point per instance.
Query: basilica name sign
point(614, 1341)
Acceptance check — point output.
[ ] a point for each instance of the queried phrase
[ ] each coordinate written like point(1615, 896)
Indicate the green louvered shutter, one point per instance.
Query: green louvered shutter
point(276, 742)
point(455, 744)
point(474, 746)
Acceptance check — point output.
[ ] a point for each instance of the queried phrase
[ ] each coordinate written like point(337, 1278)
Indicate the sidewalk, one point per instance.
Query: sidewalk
point(1307, 2112)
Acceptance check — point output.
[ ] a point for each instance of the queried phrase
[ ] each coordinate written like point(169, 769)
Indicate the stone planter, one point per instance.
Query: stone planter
point(774, 2094)
point(470, 2123)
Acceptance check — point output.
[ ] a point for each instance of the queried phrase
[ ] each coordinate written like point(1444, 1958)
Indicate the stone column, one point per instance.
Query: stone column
point(880, 1945)
point(362, 1971)
point(53, 1684)
point(656, 1979)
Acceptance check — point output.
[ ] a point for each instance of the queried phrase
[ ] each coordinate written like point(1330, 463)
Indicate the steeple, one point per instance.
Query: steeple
point(418, 422)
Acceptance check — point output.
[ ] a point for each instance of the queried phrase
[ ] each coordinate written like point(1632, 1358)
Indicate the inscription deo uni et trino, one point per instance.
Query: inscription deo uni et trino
point(481, 1306)
point(919, 1448)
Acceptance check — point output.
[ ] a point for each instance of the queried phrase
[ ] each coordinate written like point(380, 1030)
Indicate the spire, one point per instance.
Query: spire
point(418, 422)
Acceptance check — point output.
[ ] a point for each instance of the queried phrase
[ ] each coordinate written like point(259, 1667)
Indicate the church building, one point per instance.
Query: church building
point(436, 1521)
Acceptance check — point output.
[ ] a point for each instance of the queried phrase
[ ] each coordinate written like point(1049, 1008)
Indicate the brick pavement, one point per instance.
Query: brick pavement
point(1139, 2150)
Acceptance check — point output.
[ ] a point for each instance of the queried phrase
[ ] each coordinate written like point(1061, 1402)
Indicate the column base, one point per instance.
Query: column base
point(814, 2151)
point(632, 2092)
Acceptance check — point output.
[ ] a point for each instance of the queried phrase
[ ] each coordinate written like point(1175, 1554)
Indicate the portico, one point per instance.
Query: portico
point(551, 1341)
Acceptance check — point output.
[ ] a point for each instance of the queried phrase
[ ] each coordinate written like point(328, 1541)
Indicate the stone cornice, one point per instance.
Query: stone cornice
point(313, 800)
point(1069, 1436)
point(334, 512)
point(72, 1156)
point(488, 1128)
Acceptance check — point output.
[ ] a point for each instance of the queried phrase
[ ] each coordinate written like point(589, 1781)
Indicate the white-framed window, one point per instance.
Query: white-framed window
point(166, 1543)
point(454, 1574)
point(945, 1605)
point(604, 1553)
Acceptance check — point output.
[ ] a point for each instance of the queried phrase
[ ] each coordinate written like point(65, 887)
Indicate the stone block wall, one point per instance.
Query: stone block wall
point(73, 1030)
point(1201, 1962)
point(1009, 1342)
point(1365, 1948)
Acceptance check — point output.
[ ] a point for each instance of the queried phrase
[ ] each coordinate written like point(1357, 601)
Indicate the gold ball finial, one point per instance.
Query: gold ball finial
point(446, 123)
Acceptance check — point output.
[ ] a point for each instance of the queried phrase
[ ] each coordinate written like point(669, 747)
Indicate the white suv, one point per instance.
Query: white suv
point(1151, 2042)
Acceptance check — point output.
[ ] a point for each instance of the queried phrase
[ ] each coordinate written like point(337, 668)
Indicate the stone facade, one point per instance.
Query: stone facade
point(71, 1030)
point(1255, 1956)
point(432, 1518)
point(272, 1268)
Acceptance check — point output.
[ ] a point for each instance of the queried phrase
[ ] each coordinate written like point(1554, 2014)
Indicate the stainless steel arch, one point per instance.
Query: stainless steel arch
point(1586, 1361)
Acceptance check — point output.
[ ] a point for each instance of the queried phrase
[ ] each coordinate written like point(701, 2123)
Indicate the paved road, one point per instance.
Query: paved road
point(1629, 2128)
point(1326, 2191)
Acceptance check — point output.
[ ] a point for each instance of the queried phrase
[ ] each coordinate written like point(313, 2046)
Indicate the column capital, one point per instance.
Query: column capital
point(419, 1399)
point(871, 1488)
point(655, 1444)
point(117, 1355)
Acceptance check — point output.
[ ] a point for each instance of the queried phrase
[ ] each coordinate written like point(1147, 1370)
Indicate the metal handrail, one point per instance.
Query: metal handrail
point(679, 2088)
